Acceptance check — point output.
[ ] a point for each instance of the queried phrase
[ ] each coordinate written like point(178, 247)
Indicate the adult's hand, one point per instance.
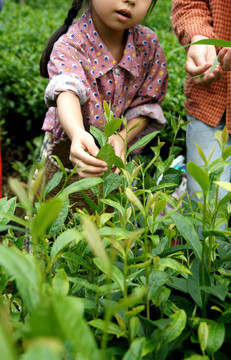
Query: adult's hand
point(199, 61)
point(224, 57)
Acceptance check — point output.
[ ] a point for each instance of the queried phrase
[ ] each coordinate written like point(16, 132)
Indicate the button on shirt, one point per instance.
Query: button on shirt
point(81, 63)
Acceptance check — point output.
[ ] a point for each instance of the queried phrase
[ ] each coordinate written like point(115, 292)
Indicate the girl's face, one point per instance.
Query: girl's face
point(118, 15)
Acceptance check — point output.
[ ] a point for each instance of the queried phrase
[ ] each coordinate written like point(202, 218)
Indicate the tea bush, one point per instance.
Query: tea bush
point(141, 282)
point(23, 33)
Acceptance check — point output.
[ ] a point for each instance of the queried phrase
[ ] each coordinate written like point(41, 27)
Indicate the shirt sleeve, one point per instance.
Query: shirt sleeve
point(66, 72)
point(65, 83)
point(190, 18)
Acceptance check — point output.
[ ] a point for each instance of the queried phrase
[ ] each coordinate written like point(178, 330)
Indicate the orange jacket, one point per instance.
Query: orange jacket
point(211, 18)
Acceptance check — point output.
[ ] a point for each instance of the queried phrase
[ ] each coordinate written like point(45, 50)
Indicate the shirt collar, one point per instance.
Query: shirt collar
point(100, 54)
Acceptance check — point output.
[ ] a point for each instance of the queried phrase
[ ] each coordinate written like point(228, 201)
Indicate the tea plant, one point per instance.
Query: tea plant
point(141, 282)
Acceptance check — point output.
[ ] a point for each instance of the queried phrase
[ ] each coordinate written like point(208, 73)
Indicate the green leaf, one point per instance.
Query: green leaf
point(193, 283)
point(107, 326)
point(60, 164)
point(64, 239)
point(44, 218)
point(172, 329)
point(203, 333)
point(173, 264)
point(157, 279)
point(161, 296)
point(111, 182)
point(107, 111)
point(159, 207)
point(216, 337)
point(23, 268)
point(227, 152)
point(53, 182)
point(142, 142)
point(70, 310)
point(134, 326)
point(197, 357)
point(220, 291)
point(134, 199)
point(99, 135)
point(201, 153)
point(19, 190)
point(178, 284)
point(107, 153)
point(7, 207)
point(112, 126)
point(60, 282)
point(215, 42)
point(114, 273)
point(95, 242)
point(135, 350)
point(77, 259)
point(186, 229)
point(117, 232)
point(59, 221)
point(199, 175)
point(81, 185)
point(224, 185)
point(6, 346)
point(215, 63)
point(114, 204)
point(42, 351)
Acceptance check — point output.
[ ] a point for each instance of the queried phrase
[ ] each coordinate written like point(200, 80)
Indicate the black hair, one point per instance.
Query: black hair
point(72, 13)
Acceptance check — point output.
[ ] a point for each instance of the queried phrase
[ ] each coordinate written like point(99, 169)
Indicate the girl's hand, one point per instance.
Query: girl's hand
point(224, 57)
point(199, 61)
point(82, 153)
point(119, 147)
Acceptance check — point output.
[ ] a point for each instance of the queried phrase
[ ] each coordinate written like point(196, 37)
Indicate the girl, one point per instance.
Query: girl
point(104, 55)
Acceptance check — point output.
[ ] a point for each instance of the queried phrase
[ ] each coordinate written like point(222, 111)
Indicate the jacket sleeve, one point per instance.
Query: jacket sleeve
point(190, 18)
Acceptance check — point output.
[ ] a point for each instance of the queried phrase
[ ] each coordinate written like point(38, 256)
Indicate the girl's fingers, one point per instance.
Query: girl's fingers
point(85, 170)
point(79, 155)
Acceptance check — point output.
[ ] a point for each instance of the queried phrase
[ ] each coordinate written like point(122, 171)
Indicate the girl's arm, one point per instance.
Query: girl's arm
point(83, 148)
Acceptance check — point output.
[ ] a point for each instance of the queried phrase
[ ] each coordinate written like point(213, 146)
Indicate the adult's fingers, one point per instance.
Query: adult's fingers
point(193, 69)
point(227, 61)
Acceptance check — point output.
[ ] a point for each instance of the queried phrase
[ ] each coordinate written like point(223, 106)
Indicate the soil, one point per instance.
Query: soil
point(9, 156)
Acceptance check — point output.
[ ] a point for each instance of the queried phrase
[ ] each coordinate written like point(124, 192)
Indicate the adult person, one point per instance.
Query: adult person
point(208, 96)
point(224, 57)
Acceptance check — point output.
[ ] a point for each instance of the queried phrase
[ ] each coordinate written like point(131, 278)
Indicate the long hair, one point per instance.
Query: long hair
point(72, 13)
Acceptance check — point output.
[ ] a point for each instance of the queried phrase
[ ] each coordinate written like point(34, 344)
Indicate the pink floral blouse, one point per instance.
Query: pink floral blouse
point(81, 63)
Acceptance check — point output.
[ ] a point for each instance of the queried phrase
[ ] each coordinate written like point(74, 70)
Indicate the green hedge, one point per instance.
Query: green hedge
point(23, 33)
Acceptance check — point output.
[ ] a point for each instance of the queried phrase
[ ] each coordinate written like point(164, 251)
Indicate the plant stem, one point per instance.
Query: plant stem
point(203, 259)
